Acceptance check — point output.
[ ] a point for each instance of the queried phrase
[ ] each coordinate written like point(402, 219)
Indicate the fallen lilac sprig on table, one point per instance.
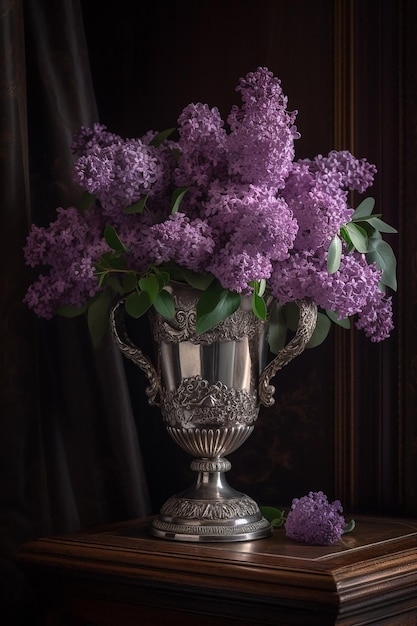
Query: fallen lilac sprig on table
point(312, 519)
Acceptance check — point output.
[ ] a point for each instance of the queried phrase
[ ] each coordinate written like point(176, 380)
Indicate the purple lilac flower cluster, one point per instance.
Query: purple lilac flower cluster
point(251, 212)
point(314, 520)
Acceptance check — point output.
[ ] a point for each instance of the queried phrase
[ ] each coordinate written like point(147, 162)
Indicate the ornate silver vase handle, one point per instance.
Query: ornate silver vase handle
point(135, 354)
point(306, 326)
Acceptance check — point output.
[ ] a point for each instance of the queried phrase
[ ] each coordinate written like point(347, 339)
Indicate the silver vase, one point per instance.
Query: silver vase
point(209, 389)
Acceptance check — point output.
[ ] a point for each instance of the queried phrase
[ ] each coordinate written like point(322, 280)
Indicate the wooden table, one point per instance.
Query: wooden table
point(121, 576)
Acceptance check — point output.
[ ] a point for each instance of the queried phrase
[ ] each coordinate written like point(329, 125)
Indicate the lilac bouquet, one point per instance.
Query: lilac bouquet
point(226, 208)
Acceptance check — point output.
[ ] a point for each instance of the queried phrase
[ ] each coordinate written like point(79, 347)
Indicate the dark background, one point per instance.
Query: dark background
point(79, 445)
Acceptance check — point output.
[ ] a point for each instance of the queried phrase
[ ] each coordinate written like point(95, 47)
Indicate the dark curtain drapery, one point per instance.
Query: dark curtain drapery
point(70, 455)
point(79, 446)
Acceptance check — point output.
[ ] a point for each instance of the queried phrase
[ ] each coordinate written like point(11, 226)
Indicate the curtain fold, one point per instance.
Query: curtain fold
point(69, 450)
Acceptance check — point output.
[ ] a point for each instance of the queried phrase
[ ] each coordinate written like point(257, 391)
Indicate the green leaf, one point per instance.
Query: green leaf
point(112, 239)
point(164, 304)
point(198, 281)
point(278, 522)
point(98, 316)
point(101, 278)
point(137, 304)
point(366, 226)
point(258, 306)
point(357, 236)
point(163, 278)
point(262, 287)
point(320, 332)
point(110, 262)
point(364, 209)
point(344, 323)
point(70, 310)
point(277, 333)
point(258, 286)
point(161, 137)
point(381, 226)
point(349, 527)
point(150, 284)
point(130, 282)
point(137, 207)
point(176, 199)
point(176, 273)
point(292, 315)
point(275, 516)
point(214, 306)
point(334, 255)
point(104, 261)
point(381, 253)
point(345, 236)
point(114, 283)
point(117, 263)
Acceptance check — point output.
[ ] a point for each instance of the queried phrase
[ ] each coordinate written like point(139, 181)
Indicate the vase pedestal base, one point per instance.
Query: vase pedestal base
point(211, 510)
point(246, 529)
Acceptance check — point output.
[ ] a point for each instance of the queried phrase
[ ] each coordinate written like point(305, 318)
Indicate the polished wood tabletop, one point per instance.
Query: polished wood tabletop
point(369, 576)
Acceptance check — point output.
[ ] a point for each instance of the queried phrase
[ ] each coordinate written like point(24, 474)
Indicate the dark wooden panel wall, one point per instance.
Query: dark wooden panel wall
point(375, 393)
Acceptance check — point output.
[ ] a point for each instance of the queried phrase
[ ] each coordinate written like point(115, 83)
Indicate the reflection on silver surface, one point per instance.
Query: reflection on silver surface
point(230, 363)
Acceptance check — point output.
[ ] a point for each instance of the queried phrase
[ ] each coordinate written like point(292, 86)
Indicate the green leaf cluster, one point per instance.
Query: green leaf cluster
point(364, 234)
point(217, 303)
point(284, 320)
